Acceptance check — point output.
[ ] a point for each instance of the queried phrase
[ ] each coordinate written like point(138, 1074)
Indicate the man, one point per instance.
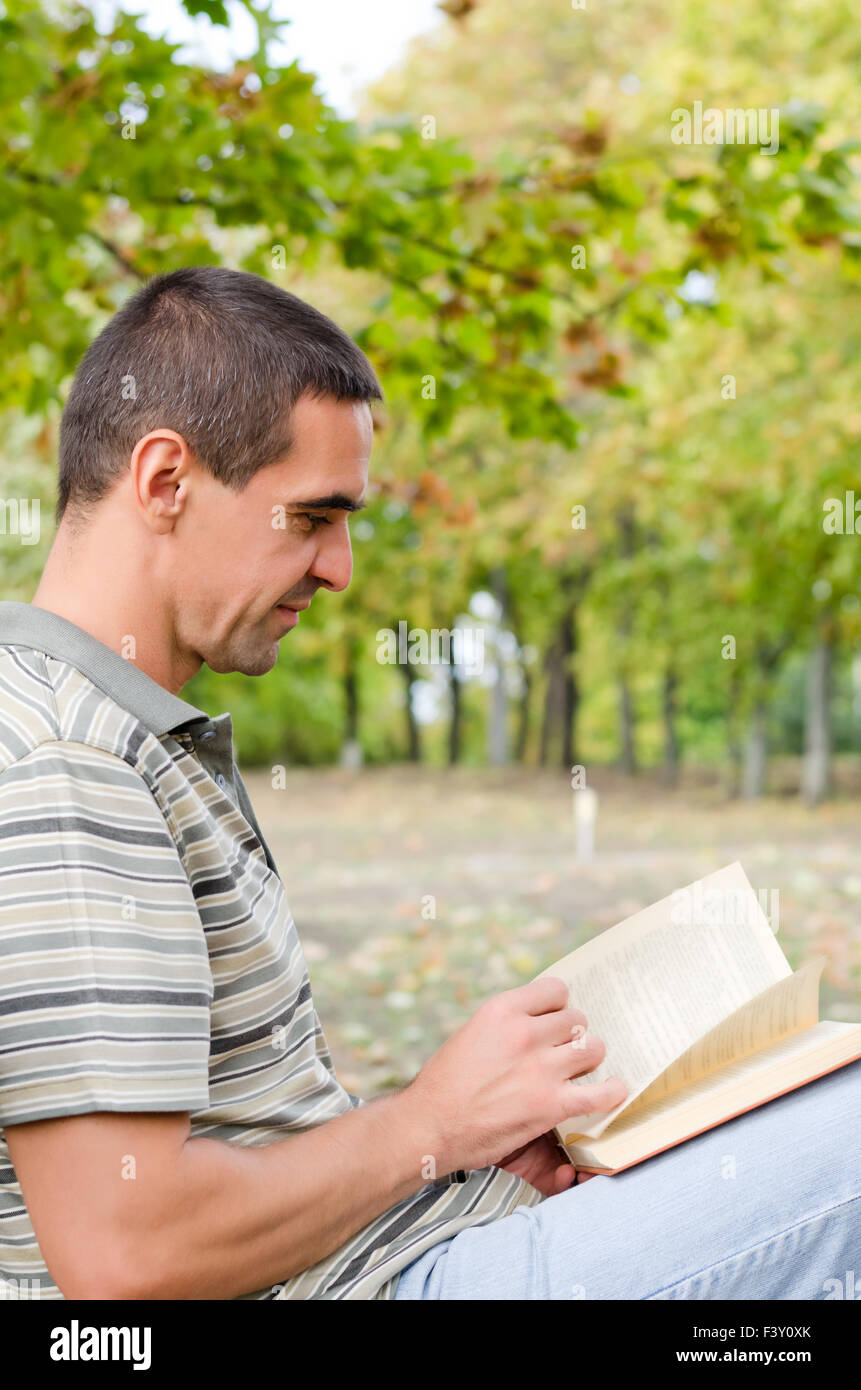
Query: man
point(172, 1126)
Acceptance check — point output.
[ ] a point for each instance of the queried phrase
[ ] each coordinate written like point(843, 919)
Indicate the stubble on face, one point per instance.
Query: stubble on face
point(232, 622)
point(250, 649)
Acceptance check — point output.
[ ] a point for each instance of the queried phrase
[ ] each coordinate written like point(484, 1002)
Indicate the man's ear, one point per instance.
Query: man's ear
point(160, 470)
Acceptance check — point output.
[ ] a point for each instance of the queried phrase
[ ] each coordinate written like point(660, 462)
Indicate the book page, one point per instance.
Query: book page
point(656, 983)
point(763, 1073)
point(791, 1006)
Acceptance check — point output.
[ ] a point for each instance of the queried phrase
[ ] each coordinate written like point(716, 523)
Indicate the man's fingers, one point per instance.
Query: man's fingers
point(578, 1055)
point(545, 995)
point(564, 1177)
point(559, 1027)
point(595, 1097)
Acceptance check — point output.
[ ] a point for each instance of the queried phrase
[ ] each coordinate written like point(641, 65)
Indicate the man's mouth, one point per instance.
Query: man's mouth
point(290, 611)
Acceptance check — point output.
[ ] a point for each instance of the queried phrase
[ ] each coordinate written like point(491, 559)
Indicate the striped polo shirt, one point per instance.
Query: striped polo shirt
point(148, 958)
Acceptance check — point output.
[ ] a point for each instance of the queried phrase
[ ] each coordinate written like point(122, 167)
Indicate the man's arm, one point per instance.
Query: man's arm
point(203, 1218)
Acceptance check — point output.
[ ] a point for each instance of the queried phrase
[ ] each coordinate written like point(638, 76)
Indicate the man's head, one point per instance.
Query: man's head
point(221, 427)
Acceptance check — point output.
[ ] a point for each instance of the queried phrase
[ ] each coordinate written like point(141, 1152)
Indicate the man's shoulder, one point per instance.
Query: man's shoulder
point(46, 700)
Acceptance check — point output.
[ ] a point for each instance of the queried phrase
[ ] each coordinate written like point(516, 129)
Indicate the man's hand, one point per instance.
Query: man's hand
point(542, 1165)
point(206, 1218)
point(503, 1080)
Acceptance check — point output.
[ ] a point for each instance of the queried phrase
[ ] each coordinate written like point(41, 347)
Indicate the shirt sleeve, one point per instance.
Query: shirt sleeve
point(105, 985)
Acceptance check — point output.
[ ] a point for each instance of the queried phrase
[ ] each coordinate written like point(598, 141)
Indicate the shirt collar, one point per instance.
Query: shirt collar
point(25, 625)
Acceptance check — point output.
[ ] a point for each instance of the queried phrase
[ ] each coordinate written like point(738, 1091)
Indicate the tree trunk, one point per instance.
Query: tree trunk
point(351, 748)
point(524, 699)
point(497, 733)
point(671, 741)
point(523, 709)
point(628, 761)
point(816, 769)
point(570, 689)
point(351, 698)
point(562, 693)
point(755, 754)
point(552, 700)
point(768, 658)
point(455, 727)
point(497, 737)
point(414, 748)
point(626, 523)
point(733, 737)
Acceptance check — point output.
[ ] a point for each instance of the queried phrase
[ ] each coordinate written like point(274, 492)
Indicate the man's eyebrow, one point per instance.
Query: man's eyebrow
point(334, 502)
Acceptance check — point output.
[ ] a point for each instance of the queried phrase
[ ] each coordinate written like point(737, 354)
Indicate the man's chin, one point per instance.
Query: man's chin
point(247, 663)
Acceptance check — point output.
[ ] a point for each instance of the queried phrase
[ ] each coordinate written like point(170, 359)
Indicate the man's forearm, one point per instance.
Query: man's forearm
point(232, 1220)
point(204, 1218)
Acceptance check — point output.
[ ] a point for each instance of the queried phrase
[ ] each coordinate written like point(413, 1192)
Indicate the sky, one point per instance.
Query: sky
point(348, 43)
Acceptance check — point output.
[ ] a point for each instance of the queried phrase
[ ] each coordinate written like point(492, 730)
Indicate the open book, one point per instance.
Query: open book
point(702, 1017)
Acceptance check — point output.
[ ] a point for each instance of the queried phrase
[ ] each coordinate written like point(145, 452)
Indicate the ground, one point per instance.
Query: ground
point(419, 892)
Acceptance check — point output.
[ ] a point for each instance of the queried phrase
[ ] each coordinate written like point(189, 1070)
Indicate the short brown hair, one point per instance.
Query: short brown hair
point(221, 357)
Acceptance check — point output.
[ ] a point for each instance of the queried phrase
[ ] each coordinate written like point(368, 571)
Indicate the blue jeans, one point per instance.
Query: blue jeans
point(766, 1206)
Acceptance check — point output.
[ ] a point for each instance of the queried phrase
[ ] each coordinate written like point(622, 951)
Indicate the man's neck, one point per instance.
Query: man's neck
point(96, 582)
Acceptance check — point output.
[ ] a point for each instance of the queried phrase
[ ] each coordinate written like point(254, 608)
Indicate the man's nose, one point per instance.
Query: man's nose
point(333, 564)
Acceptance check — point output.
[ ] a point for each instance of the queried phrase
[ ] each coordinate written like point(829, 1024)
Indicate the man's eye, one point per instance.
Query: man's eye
point(315, 520)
